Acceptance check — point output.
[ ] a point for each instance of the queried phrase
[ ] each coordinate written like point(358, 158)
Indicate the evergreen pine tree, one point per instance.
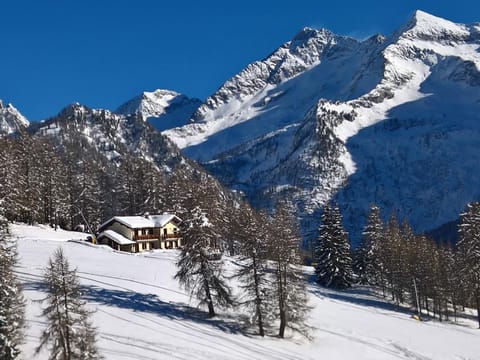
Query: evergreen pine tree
point(332, 254)
point(67, 318)
point(367, 263)
point(12, 303)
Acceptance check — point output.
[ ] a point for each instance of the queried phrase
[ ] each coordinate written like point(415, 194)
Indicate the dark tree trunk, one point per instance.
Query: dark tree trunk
point(258, 300)
point(281, 331)
point(67, 317)
point(208, 295)
point(478, 307)
point(281, 304)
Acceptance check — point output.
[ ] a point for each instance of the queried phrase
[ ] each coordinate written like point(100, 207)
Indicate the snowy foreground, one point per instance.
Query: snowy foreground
point(141, 313)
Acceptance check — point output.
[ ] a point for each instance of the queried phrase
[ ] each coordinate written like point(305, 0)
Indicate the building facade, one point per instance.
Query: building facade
point(141, 233)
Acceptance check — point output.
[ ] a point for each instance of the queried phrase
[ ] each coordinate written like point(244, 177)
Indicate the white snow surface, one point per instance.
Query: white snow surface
point(142, 313)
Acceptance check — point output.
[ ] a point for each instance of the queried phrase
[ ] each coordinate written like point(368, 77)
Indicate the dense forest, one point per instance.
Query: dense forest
point(67, 186)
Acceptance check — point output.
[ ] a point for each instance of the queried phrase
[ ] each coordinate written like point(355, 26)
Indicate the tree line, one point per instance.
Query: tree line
point(434, 278)
point(74, 184)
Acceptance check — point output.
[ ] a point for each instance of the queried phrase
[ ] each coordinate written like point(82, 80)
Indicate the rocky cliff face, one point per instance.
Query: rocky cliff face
point(391, 120)
point(11, 120)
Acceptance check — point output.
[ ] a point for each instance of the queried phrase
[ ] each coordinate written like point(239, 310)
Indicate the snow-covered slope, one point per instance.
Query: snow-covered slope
point(279, 90)
point(142, 313)
point(164, 109)
point(388, 120)
point(11, 120)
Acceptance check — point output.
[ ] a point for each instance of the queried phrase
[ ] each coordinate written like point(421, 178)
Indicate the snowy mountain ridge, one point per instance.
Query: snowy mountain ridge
point(256, 91)
point(364, 123)
point(11, 120)
point(109, 134)
point(164, 109)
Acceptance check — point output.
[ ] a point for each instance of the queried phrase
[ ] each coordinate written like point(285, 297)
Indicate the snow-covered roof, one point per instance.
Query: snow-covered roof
point(133, 222)
point(162, 220)
point(139, 222)
point(118, 238)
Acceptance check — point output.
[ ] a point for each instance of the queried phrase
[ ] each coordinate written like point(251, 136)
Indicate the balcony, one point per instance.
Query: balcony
point(170, 236)
point(145, 237)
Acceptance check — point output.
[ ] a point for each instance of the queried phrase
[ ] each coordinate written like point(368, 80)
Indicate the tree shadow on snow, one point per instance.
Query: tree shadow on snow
point(149, 304)
point(357, 295)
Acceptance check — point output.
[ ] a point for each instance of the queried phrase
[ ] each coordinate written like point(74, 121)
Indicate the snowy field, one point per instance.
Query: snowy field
point(142, 313)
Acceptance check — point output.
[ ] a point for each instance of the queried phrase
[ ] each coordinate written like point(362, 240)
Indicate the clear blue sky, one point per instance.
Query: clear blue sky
point(101, 53)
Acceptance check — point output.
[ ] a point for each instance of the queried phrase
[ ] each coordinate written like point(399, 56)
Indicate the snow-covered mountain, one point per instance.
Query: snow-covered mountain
point(278, 91)
point(11, 120)
point(391, 120)
point(110, 135)
point(164, 109)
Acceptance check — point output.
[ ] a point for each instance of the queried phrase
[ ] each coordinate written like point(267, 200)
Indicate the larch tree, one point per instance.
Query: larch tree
point(9, 169)
point(333, 255)
point(253, 267)
point(12, 303)
point(284, 250)
point(67, 317)
point(394, 258)
point(200, 266)
point(469, 249)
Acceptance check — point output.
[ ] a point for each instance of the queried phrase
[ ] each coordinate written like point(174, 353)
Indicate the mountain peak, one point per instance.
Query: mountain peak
point(307, 33)
point(8, 106)
point(167, 108)
point(421, 15)
point(73, 109)
point(11, 120)
point(425, 26)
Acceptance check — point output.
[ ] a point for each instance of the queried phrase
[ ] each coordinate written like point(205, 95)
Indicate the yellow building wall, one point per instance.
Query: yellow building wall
point(170, 227)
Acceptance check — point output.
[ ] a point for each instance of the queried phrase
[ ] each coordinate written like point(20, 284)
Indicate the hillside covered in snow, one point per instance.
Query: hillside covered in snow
point(389, 120)
point(142, 313)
